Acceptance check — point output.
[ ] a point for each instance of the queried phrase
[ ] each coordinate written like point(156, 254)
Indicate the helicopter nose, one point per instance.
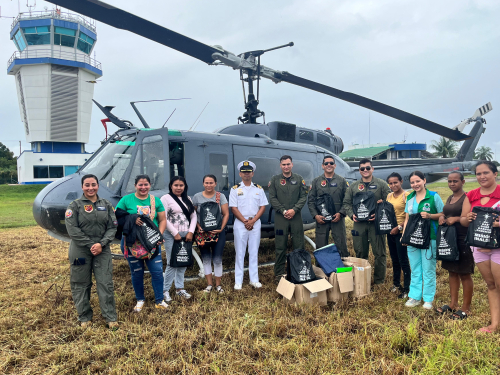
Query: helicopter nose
point(51, 203)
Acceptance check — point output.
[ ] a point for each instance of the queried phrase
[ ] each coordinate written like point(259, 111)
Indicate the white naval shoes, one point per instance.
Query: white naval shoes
point(237, 286)
point(256, 285)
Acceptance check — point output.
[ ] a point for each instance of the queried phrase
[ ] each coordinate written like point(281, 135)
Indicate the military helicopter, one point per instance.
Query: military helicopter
point(162, 153)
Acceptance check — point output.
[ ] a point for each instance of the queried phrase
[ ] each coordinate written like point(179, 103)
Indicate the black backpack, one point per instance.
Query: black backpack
point(446, 243)
point(417, 232)
point(182, 254)
point(385, 218)
point(210, 216)
point(299, 267)
point(326, 207)
point(363, 205)
point(481, 232)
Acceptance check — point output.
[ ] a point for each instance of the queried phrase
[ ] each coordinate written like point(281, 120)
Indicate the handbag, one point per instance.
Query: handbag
point(205, 238)
point(417, 232)
point(182, 254)
point(138, 250)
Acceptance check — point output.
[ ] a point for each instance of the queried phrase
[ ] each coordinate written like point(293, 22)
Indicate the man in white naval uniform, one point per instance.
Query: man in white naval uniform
point(248, 202)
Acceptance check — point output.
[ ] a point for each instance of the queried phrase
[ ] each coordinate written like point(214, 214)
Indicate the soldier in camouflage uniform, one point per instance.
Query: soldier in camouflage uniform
point(287, 195)
point(91, 225)
point(336, 186)
point(365, 231)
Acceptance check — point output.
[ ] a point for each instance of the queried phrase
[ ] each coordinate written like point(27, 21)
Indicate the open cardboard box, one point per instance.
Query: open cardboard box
point(362, 271)
point(311, 292)
point(342, 284)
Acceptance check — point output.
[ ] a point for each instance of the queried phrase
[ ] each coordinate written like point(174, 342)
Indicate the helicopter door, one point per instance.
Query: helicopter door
point(151, 158)
point(219, 162)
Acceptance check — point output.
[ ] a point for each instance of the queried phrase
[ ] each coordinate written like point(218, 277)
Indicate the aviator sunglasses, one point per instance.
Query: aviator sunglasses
point(328, 163)
point(362, 169)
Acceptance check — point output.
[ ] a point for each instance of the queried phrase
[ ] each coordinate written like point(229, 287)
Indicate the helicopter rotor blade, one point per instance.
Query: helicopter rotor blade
point(121, 19)
point(374, 106)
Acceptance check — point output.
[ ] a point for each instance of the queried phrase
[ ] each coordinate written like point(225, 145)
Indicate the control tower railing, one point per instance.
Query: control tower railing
point(38, 53)
point(57, 14)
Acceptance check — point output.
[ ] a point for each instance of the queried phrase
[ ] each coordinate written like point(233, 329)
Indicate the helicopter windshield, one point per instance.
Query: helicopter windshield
point(111, 162)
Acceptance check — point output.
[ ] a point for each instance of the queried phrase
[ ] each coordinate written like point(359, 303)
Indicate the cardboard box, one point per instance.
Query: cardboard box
point(311, 292)
point(342, 284)
point(362, 275)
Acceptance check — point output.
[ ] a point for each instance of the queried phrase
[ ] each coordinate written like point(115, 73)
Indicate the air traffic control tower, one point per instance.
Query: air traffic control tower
point(55, 78)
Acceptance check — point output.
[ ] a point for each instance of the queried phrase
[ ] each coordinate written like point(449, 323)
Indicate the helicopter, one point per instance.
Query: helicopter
point(162, 153)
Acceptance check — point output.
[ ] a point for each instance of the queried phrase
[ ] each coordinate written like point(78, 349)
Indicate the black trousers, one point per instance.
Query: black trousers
point(400, 262)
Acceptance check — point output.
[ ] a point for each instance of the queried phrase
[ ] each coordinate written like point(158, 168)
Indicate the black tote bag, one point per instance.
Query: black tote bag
point(363, 205)
point(182, 254)
point(326, 207)
point(385, 218)
point(481, 232)
point(446, 243)
point(210, 216)
point(149, 234)
point(417, 232)
point(299, 267)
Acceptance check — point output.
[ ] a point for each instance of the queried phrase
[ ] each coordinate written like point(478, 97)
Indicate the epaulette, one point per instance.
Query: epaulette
point(257, 185)
point(235, 187)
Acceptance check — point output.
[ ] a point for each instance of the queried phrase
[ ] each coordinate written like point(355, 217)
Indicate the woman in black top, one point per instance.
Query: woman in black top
point(462, 269)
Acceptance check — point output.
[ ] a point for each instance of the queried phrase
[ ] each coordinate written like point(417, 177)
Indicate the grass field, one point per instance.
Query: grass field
point(16, 202)
point(250, 331)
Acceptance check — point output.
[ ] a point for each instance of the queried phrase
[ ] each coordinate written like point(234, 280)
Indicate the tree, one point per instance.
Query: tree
point(483, 153)
point(8, 165)
point(445, 148)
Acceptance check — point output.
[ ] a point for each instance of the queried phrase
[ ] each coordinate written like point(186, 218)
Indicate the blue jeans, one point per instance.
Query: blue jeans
point(423, 272)
point(155, 267)
point(172, 273)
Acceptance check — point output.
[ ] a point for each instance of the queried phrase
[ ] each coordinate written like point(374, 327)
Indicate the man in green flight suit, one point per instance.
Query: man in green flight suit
point(335, 186)
point(365, 231)
point(287, 195)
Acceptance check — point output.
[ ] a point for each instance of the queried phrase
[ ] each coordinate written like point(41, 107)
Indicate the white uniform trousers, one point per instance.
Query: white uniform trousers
point(242, 237)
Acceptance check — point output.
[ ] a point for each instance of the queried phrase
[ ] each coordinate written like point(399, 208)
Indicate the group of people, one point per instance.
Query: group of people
point(92, 224)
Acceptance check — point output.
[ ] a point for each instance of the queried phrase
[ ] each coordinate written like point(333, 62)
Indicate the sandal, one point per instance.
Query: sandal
point(444, 309)
point(208, 289)
point(219, 289)
point(459, 315)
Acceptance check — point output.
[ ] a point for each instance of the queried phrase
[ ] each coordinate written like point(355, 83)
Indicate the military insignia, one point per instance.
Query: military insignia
point(88, 208)
point(303, 183)
point(269, 184)
point(293, 182)
point(323, 183)
point(240, 192)
point(115, 222)
point(68, 213)
point(235, 186)
point(361, 187)
point(333, 184)
point(347, 183)
point(101, 208)
point(246, 164)
point(260, 187)
point(283, 182)
point(373, 187)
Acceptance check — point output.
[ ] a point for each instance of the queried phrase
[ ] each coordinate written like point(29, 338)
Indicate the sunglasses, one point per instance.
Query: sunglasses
point(329, 163)
point(362, 169)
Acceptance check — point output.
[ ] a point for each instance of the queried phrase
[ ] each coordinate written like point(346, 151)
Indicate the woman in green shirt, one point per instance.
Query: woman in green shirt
point(140, 203)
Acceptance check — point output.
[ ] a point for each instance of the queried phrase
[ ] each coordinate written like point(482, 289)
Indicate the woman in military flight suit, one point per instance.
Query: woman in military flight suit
point(91, 225)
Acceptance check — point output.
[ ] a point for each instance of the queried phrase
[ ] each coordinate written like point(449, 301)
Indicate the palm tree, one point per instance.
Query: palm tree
point(445, 148)
point(483, 153)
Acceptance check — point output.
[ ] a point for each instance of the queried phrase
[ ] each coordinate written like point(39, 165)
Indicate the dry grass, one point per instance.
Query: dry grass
point(251, 331)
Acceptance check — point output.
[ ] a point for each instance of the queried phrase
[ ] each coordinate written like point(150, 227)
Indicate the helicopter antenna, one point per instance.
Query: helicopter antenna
point(168, 118)
point(194, 126)
point(148, 101)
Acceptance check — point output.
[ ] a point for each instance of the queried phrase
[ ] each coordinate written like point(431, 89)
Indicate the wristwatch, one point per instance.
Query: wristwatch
point(284, 212)
point(400, 227)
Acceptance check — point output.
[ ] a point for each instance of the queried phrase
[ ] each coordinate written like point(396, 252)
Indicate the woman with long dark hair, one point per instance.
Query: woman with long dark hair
point(181, 223)
point(423, 261)
point(462, 269)
point(487, 260)
point(213, 242)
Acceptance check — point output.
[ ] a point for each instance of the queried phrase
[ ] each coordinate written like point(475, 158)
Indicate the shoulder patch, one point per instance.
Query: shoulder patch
point(269, 184)
point(303, 183)
point(68, 213)
point(347, 182)
point(235, 187)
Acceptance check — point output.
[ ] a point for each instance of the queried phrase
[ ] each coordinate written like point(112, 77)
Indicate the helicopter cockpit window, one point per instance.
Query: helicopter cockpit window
point(305, 169)
point(265, 168)
point(219, 168)
point(306, 135)
point(176, 157)
point(323, 140)
point(110, 164)
point(152, 163)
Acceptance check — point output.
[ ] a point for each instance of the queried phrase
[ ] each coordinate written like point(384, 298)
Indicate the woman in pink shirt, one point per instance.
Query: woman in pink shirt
point(178, 226)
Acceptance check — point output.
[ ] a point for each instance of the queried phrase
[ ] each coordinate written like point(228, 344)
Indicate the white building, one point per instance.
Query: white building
point(55, 78)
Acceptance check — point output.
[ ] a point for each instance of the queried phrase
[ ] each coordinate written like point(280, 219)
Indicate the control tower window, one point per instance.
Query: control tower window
point(64, 37)
point(36, 36)
point(85, 43)
point(323, 140)
point(19, 41)
point(306, 135)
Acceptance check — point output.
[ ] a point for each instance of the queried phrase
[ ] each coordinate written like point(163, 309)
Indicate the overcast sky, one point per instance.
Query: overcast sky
point(436, 59)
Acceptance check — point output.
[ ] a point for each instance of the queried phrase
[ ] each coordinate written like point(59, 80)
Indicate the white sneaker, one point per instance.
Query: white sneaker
point(412, 302)
point(162, 305)
point(256, 285)
point(237, 286)
point(427, 305)
point(138, 307)
point(182, 293)
point(166, 297)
